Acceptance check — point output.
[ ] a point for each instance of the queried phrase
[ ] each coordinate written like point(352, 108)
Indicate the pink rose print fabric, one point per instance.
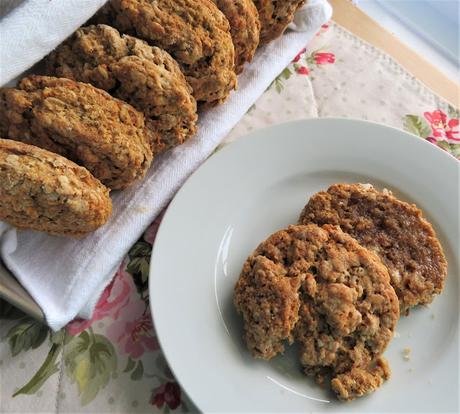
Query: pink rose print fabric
point(134, 334)
point(443, 128)
point(438, 127)
point(114, 298)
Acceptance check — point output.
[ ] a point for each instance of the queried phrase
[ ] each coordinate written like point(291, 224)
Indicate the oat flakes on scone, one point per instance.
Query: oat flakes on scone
point(396, 231)
point(318, 287)
point(146, 77)
point(244, 27)
point(80, 122)
point(275, 15)
point(194, 32)
point(43, 191)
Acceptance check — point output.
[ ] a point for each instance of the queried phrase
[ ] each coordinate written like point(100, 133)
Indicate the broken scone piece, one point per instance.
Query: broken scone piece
point(396, 231)
point(318, 287)
point(359, 382)
point(268, 299)
point(40, 190)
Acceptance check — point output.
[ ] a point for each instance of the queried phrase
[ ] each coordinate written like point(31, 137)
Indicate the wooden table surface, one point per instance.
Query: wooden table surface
point(356, 21)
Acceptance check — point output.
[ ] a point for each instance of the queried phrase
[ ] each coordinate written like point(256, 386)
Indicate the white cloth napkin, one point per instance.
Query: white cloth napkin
point(65, 276)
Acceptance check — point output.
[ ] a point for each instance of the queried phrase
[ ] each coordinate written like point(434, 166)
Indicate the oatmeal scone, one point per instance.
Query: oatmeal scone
point(43, 191)
point(244, 27)
point(194, 32)
point(267, 297)
point(396, 231)
point(319, 287)
point(80, 122)
point(275, 15)
point(146, 77)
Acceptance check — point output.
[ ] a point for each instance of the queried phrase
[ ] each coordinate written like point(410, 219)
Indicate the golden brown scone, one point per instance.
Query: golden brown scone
point(396, 231)
point(244, 27)
point(274, 17)
point(40, 190)
point(268, 300)
point(319, 287)
point(360, 382)
point(80, 122)
point(146, 77)
point(194, 32)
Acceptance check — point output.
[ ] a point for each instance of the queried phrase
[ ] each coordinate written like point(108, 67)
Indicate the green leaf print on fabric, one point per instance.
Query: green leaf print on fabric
point(251, 109)
point(454, 149)
point(139, 265)
point(138, 372)
point(9, 312)
point(278, 82)
point(90, 360)
point(163, 367)
point(129, 365)
point(26, 334)
point(60, 337)
point(417, 125)
point(48, 368)
point(452, 112)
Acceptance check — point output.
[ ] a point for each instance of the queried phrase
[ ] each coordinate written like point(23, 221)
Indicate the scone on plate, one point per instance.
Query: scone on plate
point(146, 77)
point(40, 190)
point(244, 27)
point(194, 32)
point(267, 297)
point(318, 287)
point(275, 15)
point(80, 122)
point(396, 231)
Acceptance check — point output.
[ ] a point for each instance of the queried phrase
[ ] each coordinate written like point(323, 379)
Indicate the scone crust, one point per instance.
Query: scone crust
point(194, 32)
point(319, 287)
point(244, 27)
point(146, 77)
point(80, 122)
point(393, 229)
point(42, 191)
point(274, 17)
point(359, 382)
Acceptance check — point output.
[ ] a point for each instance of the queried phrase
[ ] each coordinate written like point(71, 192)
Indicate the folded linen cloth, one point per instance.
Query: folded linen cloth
point(30, 29)
point(65, 276)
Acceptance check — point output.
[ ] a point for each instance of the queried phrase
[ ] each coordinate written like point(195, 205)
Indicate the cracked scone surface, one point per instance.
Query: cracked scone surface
point(80, 122)
point(274, 17)
point(42, 191)
point(396, 231)
point(146, 77)
point(194, 32)
point(318, 287)
point(244, 27)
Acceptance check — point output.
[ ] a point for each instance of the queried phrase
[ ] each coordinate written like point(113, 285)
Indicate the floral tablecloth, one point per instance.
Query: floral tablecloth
point(113, 363)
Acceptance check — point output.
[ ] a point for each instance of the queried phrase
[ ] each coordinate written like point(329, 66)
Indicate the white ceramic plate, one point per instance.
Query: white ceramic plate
point(256, 186)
